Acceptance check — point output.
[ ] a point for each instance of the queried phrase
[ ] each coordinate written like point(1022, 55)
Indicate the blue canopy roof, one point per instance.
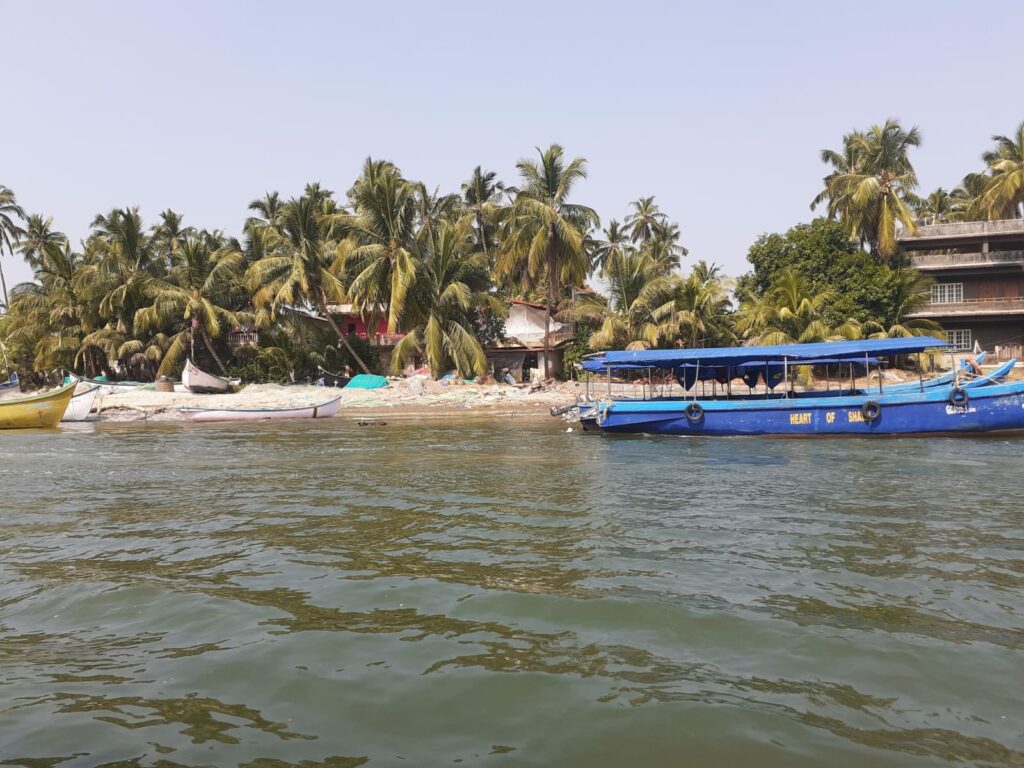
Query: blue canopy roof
point(803, 354)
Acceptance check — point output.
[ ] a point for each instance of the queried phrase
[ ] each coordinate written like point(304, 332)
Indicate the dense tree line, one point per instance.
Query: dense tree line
point(438, 269)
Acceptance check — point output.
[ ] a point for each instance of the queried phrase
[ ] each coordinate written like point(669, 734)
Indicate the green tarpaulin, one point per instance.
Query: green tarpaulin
point(367, 381)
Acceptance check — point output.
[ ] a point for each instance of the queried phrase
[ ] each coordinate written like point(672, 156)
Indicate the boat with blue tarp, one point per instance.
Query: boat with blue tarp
point(965, 401)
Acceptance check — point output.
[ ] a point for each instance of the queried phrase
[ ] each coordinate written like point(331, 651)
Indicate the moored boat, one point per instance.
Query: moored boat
point(320, 411)
point(81, 404)
point(198, 381)
point(43, 409)
point(328, 379)
point(959, 408)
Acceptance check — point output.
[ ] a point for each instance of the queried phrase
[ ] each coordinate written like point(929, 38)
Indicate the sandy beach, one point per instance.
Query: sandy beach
point(407, 397)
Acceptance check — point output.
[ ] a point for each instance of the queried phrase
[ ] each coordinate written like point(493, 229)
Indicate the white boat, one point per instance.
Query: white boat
point(321, 411)
point(81, 404)
point(200, 382)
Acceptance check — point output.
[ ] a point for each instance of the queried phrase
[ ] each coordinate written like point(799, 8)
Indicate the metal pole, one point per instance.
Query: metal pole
point(785, 377)
point(920, 371)
point(609, 369)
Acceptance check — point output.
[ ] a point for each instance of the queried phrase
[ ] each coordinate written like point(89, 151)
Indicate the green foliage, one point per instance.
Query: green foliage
point(823, 253)
point(578, 349)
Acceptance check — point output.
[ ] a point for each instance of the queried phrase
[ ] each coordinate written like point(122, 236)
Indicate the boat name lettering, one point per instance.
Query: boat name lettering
point(956, 410)
point(830, 417)
point(800, 418)
point(852, 416)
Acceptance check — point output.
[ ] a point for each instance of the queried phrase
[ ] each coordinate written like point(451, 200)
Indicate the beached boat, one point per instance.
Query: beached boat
point(44, 409)
point(328, 379)
point(321, 411)
point(997, 376)
point(200, 382)
point(81, 404)
point(108, 387)
point(952, 409)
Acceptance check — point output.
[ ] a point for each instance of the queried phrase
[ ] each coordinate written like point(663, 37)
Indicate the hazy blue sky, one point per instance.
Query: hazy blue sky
point(717, 108)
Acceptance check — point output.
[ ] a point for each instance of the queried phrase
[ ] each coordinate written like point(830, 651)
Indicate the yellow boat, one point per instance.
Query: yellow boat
point(34, 411)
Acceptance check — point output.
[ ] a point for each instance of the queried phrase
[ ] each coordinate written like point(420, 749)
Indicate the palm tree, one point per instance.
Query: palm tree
point(638, 312)
point(301, 264)
point(702, 307)
point(1003, 197)
point(117, 267)
point(480, 195)
point(38, 238)
point(267, 208)
point(542, 234)
point(451, 285)
point(614, 245)
point(196, 298)
point(790, 313)
point(644, 220)
point(9, 231)
point(911, 292)
point(380, 255)
point(871, 187)
point(664, 248)
point(938, 207)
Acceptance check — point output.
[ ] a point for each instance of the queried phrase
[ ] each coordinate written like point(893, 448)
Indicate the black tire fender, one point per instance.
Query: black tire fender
point(871, 410)
point(959, 397)
point(694, 412)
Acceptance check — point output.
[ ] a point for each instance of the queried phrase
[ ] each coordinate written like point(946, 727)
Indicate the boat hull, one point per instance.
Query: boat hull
point(995, 408)
point(202, 383)
point(36, 411)
point(81, 405)
point(321, 411)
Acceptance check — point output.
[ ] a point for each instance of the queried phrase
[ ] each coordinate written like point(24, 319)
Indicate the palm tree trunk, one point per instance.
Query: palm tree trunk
point(3, 285)
point(211, 350)
point(337, 330)
point(548, 304)
point(483, 234)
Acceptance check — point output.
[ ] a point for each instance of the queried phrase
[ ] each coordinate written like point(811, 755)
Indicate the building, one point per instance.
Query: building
point(522, 350)
point(978, 294)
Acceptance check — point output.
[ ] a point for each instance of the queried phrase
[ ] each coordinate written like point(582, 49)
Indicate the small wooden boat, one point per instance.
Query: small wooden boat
point(321, 411)
point(44, 409)
point(112, 387)
point(200, 382)
point(81, 404)
point(328, 379)
point(998, 376)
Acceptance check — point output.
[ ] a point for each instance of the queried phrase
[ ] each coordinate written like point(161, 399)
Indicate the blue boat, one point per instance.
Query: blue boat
point(966, 405)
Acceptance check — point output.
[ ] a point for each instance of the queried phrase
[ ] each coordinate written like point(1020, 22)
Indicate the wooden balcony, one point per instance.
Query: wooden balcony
point(944, 261)
point(973, 307)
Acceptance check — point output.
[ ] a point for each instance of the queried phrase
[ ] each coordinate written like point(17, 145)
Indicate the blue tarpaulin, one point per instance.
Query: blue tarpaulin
point(367, 381)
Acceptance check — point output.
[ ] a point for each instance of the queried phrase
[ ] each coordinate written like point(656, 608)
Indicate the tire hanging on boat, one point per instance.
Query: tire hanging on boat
point(694, 412)
point(959, 397)
point(871, 410)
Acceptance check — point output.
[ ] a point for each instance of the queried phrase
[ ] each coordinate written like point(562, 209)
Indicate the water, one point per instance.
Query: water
point(502, 593)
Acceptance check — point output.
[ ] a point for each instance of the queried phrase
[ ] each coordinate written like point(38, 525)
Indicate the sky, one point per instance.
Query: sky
point(717, 109)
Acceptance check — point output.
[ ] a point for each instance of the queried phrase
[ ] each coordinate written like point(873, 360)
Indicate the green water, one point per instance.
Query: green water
point(502, 593)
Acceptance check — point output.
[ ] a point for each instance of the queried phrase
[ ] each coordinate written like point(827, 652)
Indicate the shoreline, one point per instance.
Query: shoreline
point(403, 399)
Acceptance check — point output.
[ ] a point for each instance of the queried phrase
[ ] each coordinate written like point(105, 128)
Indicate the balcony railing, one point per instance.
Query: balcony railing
point(1014, 304)
point(966, 260)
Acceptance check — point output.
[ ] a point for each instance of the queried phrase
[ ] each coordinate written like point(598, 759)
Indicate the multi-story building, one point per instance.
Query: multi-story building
point(978, 294)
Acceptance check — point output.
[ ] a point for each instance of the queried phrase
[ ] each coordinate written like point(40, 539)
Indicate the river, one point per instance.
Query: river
point(501, 592)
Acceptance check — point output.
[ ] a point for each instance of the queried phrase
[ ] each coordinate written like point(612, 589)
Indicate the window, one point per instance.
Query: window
point(947, 293)
point(960, 338)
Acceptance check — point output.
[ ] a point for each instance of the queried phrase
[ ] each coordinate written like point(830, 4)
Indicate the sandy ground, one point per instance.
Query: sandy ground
point(407, 397)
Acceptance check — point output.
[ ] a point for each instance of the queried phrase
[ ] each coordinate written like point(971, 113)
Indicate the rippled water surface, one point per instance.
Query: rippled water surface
point(503, 593)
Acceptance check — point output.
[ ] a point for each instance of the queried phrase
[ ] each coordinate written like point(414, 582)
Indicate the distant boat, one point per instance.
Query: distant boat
point(44, 409)
point(11, 387)
point(81, 404)
point(321, 411)
point(328, 379)
point(199, 382)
